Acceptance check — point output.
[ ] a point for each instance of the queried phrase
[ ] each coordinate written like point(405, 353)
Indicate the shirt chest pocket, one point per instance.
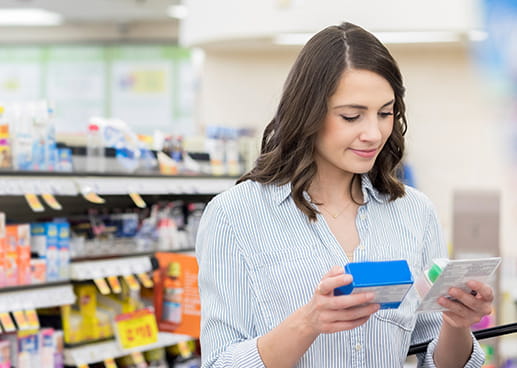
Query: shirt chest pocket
point(403, 318)
point(285, 279)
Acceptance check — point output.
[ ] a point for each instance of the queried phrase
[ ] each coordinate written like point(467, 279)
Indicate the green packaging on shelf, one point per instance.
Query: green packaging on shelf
point(388, 280)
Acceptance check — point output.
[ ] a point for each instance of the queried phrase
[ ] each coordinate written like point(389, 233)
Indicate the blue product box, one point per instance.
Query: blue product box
point(45, 242)
point(63, 241)
point(388, 280)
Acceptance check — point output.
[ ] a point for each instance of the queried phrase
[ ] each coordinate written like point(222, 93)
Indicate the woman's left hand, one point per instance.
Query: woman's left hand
point(468, 308)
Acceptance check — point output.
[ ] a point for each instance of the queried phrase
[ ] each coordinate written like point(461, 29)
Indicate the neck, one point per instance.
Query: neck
point(326, 191)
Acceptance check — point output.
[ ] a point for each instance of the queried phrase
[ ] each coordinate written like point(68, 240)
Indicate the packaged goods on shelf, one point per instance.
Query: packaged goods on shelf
point(95, 147)
point(3, 250)
point(33, 348)
point(45, 243)
point(27, 136)
point(5, 141)
point(17, 255)
point(176, 297)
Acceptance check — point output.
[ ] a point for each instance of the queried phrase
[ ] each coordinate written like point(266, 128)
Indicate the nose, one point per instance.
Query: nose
point(371, 131)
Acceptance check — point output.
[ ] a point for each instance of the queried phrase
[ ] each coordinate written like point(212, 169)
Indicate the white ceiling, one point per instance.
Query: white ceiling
point(100, 11)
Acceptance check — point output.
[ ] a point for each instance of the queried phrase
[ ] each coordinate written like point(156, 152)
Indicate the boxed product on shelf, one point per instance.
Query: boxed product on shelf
point(45, 243)
point(5, 141)
point(38, 270)
point(24, 254)
point(176, 297)
point(85, 321)
point(28, 349)
point(63, 241)
point(5, 354)
point(11, 256)
point(17, 255)
point(3, 249)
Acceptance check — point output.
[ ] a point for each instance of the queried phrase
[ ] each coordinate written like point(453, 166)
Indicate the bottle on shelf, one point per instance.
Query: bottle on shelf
point(172, 294)
point(95, 150)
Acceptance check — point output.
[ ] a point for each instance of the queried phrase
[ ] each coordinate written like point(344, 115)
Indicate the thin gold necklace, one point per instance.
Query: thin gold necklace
point(337, 214)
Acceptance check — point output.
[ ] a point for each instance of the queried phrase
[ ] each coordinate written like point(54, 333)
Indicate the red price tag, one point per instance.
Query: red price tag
point(136, 329)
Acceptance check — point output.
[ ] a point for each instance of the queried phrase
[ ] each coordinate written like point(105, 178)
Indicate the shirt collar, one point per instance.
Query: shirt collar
point(370, 191)
point(280, 193)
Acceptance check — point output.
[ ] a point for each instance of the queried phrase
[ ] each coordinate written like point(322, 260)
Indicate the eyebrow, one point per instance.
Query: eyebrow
point(354, 106)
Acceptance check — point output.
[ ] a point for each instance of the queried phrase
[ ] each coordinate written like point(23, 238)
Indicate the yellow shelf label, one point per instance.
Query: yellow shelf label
point(34, 202)
point(32, 318)
point(145, 280)
point(21, 321)
point(138, 200)
point(7, 322)
point(138, 357)
point(102, 286)
point(137, 328)
point(110, 363)
point(51, 201)
point(115, 284)
point(132, 282)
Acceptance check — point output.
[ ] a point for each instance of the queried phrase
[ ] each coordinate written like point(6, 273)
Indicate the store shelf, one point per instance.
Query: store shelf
point(89, 270)
point(19, 183)
point(98, 352)
point(36, 296)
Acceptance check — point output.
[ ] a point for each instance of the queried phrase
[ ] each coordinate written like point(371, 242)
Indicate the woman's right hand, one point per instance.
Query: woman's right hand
point(326, 313)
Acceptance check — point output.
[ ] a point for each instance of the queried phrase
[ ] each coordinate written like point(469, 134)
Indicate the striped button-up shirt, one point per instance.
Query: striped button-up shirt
point(261, 258)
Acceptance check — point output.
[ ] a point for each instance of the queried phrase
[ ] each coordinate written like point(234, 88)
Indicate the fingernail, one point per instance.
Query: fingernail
point(347, 278)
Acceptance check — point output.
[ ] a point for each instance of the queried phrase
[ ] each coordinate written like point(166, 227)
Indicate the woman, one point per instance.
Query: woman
point(324, 192)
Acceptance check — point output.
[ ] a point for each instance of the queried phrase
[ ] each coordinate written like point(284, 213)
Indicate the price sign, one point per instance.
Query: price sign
point(34, 202)
point(21, 320)
point(110, 363)
point(137, 199)
point(7, 322)
point(145, 280)
point(115, 284)
point(132, 282)
point(136, 329)
point(102, 285)
point(32, 318)
point(51, 201)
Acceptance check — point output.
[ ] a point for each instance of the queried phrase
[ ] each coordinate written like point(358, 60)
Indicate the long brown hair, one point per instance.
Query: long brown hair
point(288, 142)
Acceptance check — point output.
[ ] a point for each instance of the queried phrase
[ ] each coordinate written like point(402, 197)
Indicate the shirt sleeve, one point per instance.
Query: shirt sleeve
point(428, 325)
point(228, 338)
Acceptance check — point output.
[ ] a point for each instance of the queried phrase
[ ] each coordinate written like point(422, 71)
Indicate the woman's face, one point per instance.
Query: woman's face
point(358, 123)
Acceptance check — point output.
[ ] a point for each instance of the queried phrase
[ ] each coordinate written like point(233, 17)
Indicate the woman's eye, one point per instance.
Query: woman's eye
point(385, 114)
point(350, 118)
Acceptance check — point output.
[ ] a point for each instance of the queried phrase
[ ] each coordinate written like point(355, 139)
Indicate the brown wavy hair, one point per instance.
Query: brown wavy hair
point(288, 142)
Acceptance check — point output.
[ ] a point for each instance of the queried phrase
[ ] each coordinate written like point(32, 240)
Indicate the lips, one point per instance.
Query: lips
point(365, 153)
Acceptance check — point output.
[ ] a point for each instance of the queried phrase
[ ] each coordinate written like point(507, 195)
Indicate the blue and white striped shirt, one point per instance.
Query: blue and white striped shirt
point(260, 259)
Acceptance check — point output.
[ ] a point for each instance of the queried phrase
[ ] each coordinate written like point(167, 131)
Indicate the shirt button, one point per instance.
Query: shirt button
point(362, 216)
point(358, 347)
point(361, 247)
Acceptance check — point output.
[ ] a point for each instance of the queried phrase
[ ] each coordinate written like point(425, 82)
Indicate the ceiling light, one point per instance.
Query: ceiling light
point(29, 17)
point(388, 37)
point(177, 11)
point(418, 37)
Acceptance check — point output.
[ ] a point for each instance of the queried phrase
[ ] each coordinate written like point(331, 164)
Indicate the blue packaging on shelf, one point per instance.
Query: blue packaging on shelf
point(388, 280)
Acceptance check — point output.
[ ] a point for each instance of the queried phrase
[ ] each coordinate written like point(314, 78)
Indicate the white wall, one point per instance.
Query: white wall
point(242, 88)
point(265, 18)
point(455, 132)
